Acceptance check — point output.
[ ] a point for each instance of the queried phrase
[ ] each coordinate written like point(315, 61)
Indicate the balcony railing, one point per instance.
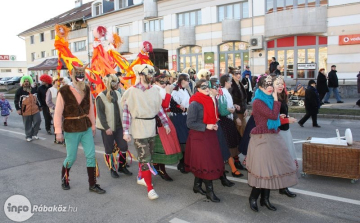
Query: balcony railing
point(78, 33)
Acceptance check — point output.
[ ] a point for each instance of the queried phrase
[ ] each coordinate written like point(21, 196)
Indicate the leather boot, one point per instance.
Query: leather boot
point(65, 180)
point(122, 164)
point(287, 192)
point(181, 165)
point(264, 200)
point(255, 192)
point(238, 163)
point(114, 174)
point(162, 172)
point(197, 186)
point(225, 182)
point(93, 187)
point(210, 191)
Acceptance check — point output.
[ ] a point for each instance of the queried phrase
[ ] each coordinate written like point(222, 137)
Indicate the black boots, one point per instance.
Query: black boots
point(160, 168)
point(122, 164)
point(255, 192)
point(210, 191)
point(197, 186)
point(225, 182)
point(287, 192)
point(93, 187)
point(238, 163)
point(264, 200)
point(5, 123)
point(181, 165)
point(65, 178)
point(114, 174)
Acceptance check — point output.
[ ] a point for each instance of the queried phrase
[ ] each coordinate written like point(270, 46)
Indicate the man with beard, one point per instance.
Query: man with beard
point(74, 105)
point(46, 84)
point(141, 104)
point(28, 105)
point(108, 120)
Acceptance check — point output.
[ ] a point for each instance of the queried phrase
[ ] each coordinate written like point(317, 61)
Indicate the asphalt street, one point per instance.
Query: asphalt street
point(32, 169)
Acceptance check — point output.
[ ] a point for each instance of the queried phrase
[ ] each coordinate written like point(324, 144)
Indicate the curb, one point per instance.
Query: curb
point(328, 116)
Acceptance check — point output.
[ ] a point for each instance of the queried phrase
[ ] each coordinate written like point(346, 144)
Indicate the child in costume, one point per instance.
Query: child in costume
point(5, 108)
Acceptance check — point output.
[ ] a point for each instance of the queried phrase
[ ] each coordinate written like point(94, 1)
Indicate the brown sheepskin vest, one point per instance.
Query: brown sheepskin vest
point(73, 109)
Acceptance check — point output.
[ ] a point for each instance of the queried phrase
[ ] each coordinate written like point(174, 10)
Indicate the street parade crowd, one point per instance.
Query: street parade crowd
point(189, 118)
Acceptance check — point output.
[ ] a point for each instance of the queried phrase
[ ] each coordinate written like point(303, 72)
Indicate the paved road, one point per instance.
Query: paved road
point(33, 170)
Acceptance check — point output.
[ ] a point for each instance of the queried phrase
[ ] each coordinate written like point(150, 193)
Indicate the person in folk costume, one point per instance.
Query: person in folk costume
point(269, 163)
point(108, 120)
point(203, 155)
point(62, 46)
point(191, 72)
point(141, 104)
point(167, 148)
point(215, 90)
point(142, 58)
point(239, 97)
point(51, 95)
point(227, 123)
point(285, 120)
point(179, 105)
point(46, 83)
point(74, 113)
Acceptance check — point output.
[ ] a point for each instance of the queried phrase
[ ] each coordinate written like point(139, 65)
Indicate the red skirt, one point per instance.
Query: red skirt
point(169, 141)
point(203, 156)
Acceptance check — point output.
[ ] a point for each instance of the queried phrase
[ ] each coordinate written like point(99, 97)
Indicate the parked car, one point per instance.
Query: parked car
point(13, 81)
point(4, 79)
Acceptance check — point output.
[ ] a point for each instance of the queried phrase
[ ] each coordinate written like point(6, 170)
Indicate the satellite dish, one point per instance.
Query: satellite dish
point(348, 136)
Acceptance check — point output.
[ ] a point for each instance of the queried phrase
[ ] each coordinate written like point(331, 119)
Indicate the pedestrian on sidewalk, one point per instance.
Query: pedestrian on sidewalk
point(321, 86)
point(333, 84)
point(312, 104)
point(28, 106)
point(358, 86)
point(46, 83)
point(5, 108)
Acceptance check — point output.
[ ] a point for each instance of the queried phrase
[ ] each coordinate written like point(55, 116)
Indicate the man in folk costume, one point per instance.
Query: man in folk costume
point(141, 103)
point(108, 120)
point(74, 105)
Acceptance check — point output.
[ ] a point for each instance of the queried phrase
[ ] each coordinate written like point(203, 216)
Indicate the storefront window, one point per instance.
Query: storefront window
point(190, 57)
point(246, 59)
point(279, 5)
point(311, 59)
point(233, 54)
point(270, 55)
point(301, 59)
point(322, 57)
point(222, 66)
point(281, 60)
point(290, 63)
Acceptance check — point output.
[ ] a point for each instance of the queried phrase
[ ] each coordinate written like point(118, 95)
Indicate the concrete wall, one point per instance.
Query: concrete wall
point(231, 30)
point(296, 21)
point(156, 38)
point(150, 9)
point(187, 35)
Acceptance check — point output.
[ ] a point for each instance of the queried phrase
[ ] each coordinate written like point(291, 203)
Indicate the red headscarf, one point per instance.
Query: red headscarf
point(210, 114)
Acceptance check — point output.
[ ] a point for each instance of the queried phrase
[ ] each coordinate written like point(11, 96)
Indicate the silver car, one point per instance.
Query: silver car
point(3, 80)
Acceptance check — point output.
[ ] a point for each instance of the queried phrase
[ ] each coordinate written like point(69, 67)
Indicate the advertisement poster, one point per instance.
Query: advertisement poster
point(174, 62)
point(209, 62)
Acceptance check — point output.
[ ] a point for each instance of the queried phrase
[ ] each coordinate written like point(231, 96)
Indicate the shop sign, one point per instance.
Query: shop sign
point(306, 66)
point(209, 61)
point(174, 62)
point(349, 39)
point(4, 57)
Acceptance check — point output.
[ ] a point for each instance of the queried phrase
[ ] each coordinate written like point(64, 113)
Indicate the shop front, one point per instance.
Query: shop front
point(190, 56)
point(299, 56)
point(232, 54)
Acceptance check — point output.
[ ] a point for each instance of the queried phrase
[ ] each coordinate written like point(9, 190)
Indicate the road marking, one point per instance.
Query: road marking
point(177, 220)
point(19, 133)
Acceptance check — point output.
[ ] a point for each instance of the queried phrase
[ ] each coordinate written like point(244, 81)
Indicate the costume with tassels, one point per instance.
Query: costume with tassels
point(141, 103)
point(74, 113)
point(108, 120)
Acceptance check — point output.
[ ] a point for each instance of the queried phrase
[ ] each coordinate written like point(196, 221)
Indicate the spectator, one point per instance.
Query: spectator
point(247, 71)
point(273, 65)
point(333, 84)
point(5, 108)
point(322, 87)
point(277, 70)
point(46, 83)
point(312, 104)
point(28, 105)
point(358, 86)
point(247, 82)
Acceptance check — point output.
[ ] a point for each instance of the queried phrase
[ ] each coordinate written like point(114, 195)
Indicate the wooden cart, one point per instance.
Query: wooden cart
point(332, 160)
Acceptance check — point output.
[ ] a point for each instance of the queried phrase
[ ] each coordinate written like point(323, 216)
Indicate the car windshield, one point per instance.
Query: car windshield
point(14, 79)
point(6, 78)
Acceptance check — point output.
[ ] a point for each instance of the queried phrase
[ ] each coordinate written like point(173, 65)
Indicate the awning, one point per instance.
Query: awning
point(48, 64)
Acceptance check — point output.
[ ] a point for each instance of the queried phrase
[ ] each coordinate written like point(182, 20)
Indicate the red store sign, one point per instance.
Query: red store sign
point(4, 57)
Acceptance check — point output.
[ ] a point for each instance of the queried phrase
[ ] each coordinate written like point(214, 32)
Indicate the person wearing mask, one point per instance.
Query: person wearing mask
point(247, 82)
point(321, 86)
point(333, 84)
point(312, 104)
point(28, 106)
point(273, 65)
point(46, 83)
point(203, 157)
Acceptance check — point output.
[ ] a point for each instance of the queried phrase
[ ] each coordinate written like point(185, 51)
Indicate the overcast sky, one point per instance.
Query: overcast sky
point(19, 15)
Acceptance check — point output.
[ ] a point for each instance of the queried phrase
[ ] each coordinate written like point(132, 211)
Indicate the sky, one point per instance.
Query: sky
point(19, 15)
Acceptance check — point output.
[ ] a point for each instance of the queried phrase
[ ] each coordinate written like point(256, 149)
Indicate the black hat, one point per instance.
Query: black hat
point(333, 65)
point(311, 82)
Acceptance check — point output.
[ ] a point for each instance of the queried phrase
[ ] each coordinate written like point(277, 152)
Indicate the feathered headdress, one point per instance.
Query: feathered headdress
point(65, 30)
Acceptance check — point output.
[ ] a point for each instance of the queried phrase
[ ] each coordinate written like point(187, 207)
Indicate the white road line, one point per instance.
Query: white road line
point(19, 133)
point(177, 220)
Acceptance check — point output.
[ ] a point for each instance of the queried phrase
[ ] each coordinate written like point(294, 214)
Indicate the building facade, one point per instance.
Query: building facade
point(13, 68)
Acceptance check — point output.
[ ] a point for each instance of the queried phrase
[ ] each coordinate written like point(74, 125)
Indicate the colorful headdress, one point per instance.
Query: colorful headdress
point(148, 46)
point(45, 78)
point(65, 30)
point(26, 77)
point(203, 73)
point(117, 41)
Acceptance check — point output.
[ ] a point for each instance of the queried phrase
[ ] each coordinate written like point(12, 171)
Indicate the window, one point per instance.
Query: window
point(52, 33)
point(32, 56)
point(42, 38)
point(280, 5)
point(31, 39)
point(191, 56)
point(98, 9)
point(154, 25)
point(42, 54)
point(125, 3)
point(20, 70)
point(5, 70)
point(189, 18)
point(80, 46)
point(53, 52)
point(123, 30)
point(233, 11)
point(232, 54)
